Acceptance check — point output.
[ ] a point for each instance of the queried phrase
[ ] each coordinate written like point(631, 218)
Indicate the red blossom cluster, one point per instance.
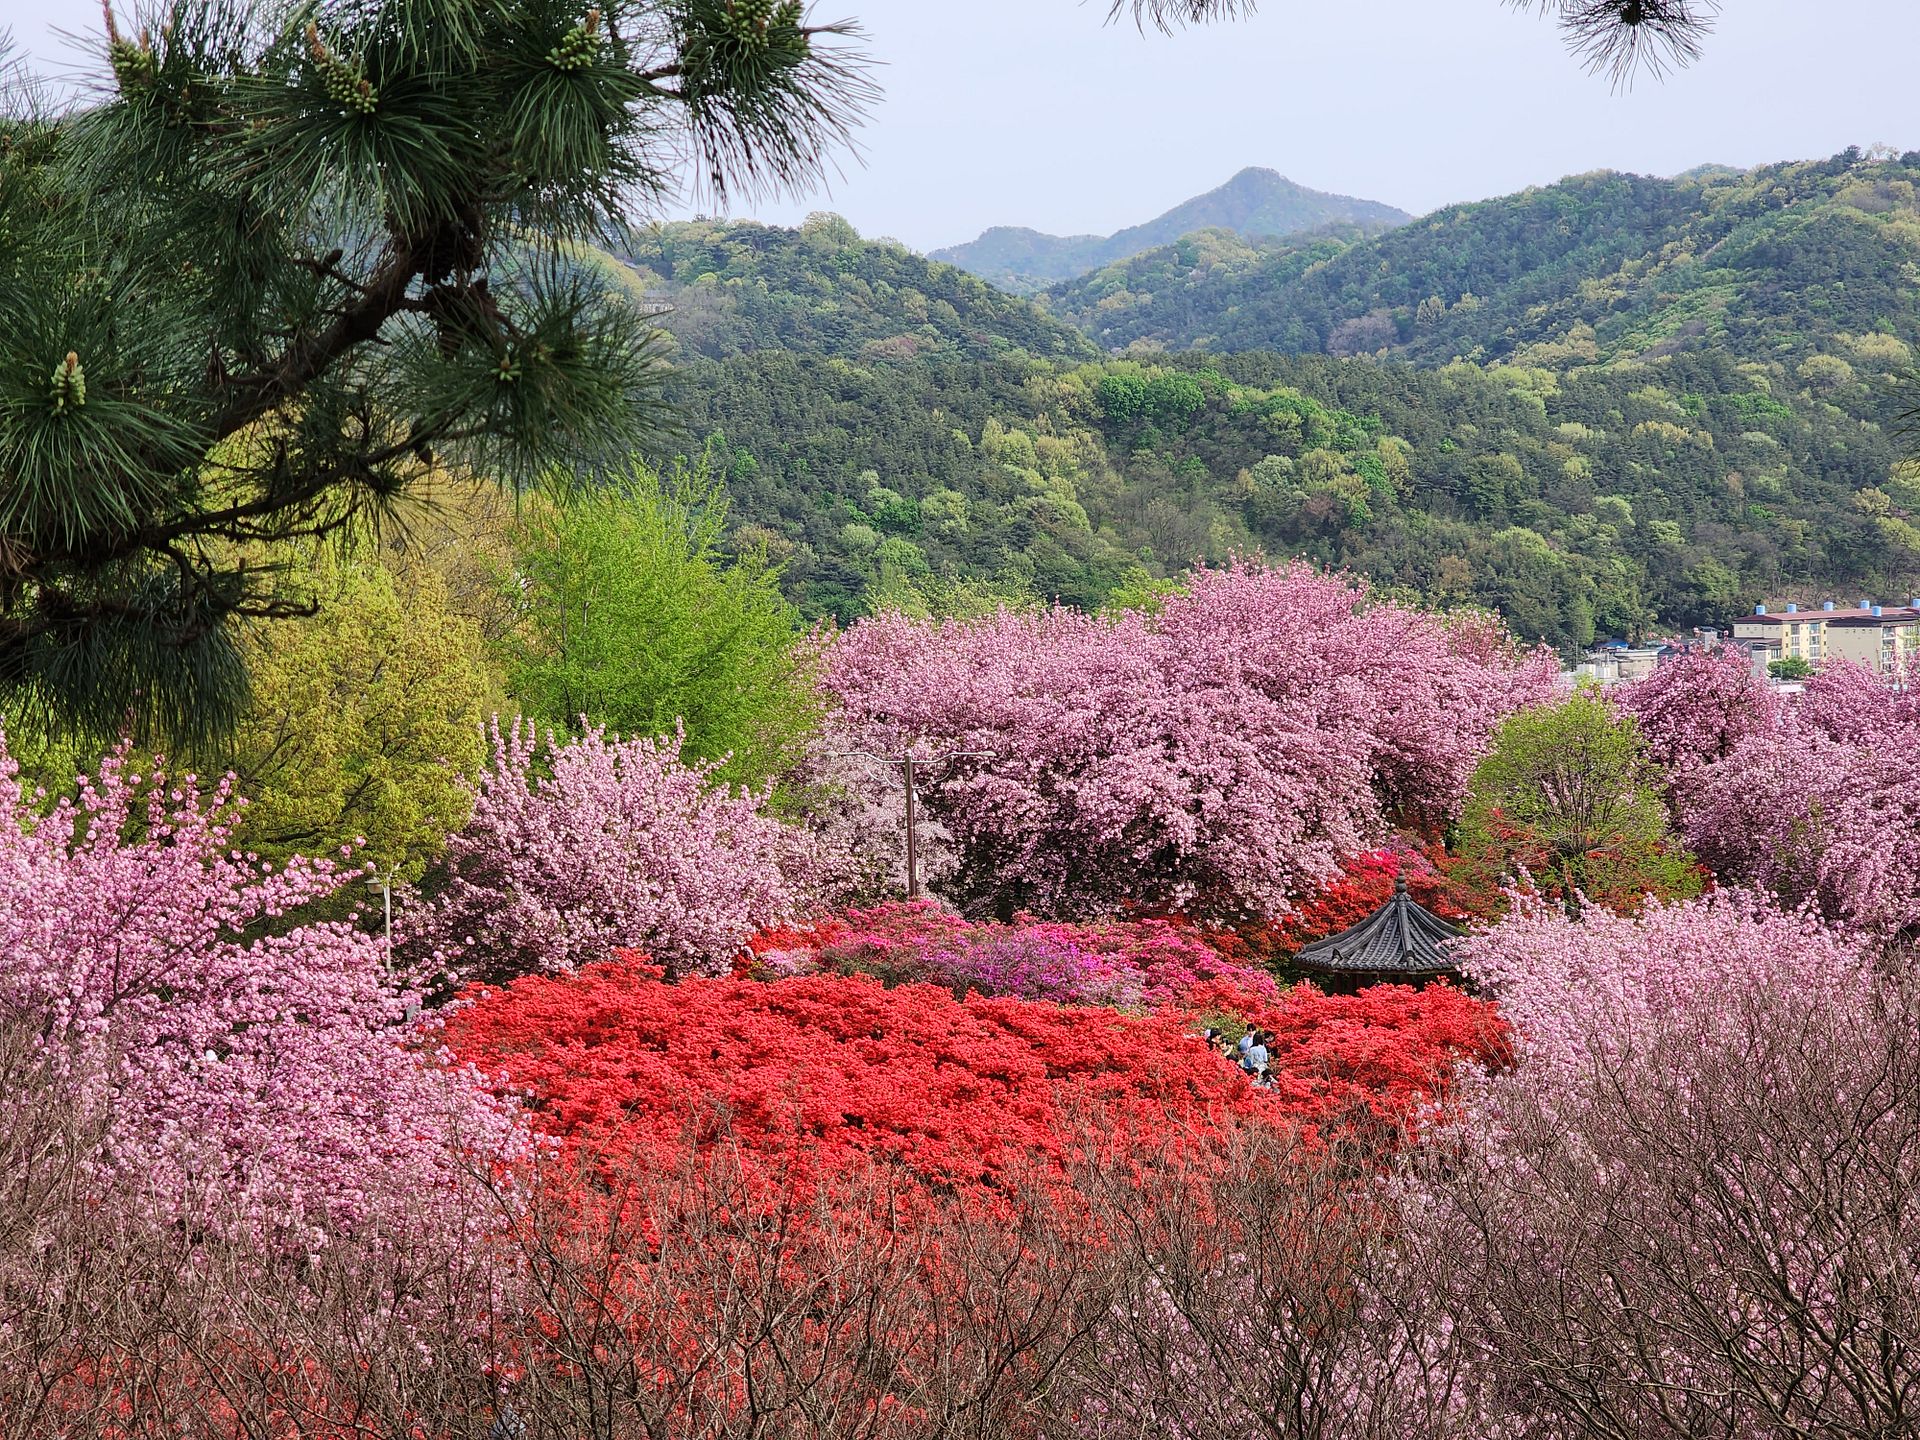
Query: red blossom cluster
point(818, 1070)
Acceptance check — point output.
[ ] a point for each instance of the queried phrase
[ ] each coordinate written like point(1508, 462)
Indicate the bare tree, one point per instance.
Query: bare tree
point(1262, 1290)
point(611, 1299)
point(1718, 1237)
point(711, 1301)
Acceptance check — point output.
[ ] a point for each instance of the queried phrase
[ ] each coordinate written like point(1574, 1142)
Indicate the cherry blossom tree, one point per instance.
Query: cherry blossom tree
point(204, 1032)
point(1697, 708)
point(577, 847)
point(1221, 754)
point(1688, 1211)
point(1822, 804)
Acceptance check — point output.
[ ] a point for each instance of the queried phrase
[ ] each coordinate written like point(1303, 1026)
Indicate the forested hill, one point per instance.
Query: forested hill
point(821, 290)
point(1255, 203)
point(894, 431)
point(1603, 501)
point(1780, 262)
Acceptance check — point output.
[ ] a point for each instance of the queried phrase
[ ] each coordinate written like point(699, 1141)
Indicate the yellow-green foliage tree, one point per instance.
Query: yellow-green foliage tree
point(364, 720)
point(632, 615)
point(1568, 800)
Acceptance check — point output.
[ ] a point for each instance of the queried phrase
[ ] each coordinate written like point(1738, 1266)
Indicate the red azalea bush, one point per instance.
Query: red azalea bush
point(822, 1069)
point(819, 1068)
point(1149, 963)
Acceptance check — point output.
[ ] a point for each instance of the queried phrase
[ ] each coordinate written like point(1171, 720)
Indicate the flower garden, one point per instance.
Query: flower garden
point(660, 1116)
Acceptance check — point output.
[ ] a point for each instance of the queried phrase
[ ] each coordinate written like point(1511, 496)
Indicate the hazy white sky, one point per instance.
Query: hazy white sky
point(1033, 112)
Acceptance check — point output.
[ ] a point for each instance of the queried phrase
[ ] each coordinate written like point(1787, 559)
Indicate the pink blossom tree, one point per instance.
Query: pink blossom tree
point(1220, 755)
point(1822, 804)
point(1698, 708)
point(577, 847)
point(205, 1037)
point(1688, 1210)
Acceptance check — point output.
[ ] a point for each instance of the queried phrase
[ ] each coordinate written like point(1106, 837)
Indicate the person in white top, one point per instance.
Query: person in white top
point(1254, 1058)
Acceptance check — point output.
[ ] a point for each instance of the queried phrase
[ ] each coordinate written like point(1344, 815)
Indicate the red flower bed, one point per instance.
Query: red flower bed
point(825, 1177)
point(820, 1069)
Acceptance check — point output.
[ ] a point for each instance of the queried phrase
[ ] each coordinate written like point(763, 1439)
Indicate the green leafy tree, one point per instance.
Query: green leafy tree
point(364, 720)
point(1791, 668)
point(633, 616)
point(286, 256)
point(1568, 795)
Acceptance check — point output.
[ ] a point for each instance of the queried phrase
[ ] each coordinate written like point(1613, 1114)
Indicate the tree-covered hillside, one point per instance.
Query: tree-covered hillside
point(822, 290)
point(1255, 203)
point(1582, 502)
point(1779, 262)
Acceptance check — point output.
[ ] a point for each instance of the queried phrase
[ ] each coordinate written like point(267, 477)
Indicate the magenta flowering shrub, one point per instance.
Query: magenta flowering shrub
point(1030, 966)
point(1146, 964)
point(577, 847)
point(1821, 805)
point(1219, 756)
point(207, 1041)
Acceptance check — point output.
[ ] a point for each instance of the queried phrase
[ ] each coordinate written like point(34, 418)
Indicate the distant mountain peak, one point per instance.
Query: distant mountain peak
point(1256, 203)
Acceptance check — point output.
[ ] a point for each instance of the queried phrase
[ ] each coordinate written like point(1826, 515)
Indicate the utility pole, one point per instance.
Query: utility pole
point(913, 849)
point(905, 760)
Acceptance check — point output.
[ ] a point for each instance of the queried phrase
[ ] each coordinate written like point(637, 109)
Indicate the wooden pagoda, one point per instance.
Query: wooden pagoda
point(1402, 942)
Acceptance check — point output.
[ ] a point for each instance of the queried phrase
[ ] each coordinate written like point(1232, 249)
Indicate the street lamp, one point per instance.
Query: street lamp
point(384, 884)
point(905, 760)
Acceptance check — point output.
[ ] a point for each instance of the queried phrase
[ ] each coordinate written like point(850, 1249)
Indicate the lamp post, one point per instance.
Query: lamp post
point(907, 763)
point(384, 884)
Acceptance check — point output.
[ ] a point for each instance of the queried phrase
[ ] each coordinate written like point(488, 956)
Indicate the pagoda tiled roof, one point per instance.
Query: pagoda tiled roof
point(1402, 937)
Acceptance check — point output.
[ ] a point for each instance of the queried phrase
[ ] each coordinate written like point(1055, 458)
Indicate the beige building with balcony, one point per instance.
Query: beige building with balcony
point(1880, 637)
point(1883, 643)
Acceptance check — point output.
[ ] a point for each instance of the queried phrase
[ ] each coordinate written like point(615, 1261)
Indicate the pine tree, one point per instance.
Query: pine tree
point(287, 259)
point(1621, 37)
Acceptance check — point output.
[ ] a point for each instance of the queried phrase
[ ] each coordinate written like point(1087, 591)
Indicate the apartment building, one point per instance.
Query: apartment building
point(1881, 637)
point(1883, 641)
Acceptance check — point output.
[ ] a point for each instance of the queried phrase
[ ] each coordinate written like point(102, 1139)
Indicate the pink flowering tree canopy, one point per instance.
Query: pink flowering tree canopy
point(580, 846)
point(213, 1042)
point(1698, 708)
point(1220, 755)
point(1695, 1182)
point(1820, 803)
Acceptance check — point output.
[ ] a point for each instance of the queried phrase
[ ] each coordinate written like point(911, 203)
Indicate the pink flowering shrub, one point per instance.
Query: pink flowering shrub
point(1219, 756)
point(1147, 964)
point(207, 1041)
point(577, 847)
point(1698, 708)
point(1609, 982)
point(1822, 805)
point(1694, 1188)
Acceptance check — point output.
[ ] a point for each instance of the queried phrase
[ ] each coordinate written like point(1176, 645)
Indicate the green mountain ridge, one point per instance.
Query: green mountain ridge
point(740, 287)
point(894, 431)
point(1255, 203)
point(1780, 261)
